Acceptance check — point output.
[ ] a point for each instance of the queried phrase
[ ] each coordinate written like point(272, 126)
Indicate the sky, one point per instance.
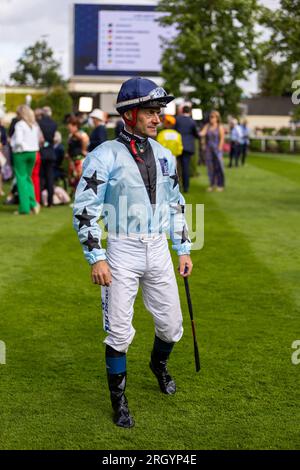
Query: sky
point(23, 22)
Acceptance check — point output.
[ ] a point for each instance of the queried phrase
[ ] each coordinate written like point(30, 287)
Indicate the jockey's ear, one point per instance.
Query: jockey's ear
point(128, 114)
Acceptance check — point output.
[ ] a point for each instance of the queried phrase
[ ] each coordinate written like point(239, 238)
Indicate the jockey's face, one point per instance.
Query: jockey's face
point(147, 121)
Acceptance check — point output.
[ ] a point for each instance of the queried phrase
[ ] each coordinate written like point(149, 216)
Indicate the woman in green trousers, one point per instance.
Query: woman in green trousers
point(25, 144)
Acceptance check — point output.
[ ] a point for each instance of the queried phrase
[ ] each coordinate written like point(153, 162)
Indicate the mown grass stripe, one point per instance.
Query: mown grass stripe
point(264, 206)
point(285, 166)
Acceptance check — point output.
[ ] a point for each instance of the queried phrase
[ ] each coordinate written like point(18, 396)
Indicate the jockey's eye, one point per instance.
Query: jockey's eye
point(152, 112)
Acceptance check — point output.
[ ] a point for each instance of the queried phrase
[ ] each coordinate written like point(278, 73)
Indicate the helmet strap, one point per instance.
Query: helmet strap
point(131, 122)
point(133, 146)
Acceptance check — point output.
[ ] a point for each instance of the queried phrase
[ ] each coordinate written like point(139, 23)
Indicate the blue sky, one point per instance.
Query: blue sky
point(22, 22)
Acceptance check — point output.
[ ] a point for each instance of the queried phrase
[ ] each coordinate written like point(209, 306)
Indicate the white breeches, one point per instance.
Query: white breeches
point(143, 260)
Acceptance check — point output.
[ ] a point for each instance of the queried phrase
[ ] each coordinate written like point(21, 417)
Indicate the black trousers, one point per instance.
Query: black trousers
point(47, 178)
point(185, 160)
point(244, 150)
point(235, 152)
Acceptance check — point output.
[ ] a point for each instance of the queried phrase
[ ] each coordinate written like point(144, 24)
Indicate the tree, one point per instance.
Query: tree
point(59, 101)
point(216, 45)
point(274, 79)
point(282, 51)
point(37, 67)
point(285, 38)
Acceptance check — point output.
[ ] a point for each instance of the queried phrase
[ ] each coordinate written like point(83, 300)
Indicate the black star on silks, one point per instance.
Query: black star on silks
point(84, 219)
point(176, 180)
point(184, 235)
point(92, 242)
point(92, 183)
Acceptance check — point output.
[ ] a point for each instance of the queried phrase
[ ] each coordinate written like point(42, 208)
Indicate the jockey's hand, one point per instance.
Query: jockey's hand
point(101, 274)
point(185, 265)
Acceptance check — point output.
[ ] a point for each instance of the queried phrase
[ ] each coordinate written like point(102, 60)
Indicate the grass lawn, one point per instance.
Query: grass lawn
point(245, 291)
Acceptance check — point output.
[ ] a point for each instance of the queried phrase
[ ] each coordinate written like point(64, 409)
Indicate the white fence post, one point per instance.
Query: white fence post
point(2, 352)
point(292, 145)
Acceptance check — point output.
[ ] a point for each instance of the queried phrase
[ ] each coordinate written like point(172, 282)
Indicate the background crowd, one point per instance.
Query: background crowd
point(45, 172)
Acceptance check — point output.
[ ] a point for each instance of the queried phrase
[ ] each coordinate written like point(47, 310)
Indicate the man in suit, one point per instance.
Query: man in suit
point(48, 157)
point(186, 126)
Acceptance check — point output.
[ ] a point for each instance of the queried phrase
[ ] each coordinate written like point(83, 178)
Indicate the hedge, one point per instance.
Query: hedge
point(13, 100)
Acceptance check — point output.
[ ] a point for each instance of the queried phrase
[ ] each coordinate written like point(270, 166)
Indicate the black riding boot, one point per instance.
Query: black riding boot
point(158, 365)
point(116, 376)
point(117, 384)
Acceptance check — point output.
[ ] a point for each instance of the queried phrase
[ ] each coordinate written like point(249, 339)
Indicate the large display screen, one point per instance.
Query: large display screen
point(118, 40)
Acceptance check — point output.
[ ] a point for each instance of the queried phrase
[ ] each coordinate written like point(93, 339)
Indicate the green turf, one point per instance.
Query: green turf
point(245, 290)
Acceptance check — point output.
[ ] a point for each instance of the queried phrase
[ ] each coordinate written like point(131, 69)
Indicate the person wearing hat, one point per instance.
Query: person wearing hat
point(132, 183)
point(98, 134)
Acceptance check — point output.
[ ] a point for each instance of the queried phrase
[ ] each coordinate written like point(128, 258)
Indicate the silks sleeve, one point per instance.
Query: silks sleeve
point(181, 242)
point(89, 201)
